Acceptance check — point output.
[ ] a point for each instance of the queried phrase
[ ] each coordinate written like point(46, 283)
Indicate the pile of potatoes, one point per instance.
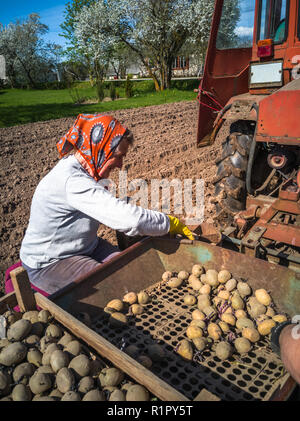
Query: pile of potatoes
point(226, 314)
point(41, 360)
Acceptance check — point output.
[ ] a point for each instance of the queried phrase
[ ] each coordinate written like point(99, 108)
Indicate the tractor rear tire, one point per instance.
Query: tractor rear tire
point(230, 181)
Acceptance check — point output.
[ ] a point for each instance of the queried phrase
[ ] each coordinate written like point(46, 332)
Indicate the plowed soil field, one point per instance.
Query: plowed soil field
point(164, 147)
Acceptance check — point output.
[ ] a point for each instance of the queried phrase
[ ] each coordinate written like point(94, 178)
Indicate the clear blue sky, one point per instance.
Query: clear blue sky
point(51, 13)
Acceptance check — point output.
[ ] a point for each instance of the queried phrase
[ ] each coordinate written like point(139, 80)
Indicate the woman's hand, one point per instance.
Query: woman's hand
point(177, 227)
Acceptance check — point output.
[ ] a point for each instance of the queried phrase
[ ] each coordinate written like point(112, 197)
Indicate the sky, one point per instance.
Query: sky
point(51, 13)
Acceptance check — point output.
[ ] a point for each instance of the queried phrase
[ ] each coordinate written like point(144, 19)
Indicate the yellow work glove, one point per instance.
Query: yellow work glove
point(177, 227)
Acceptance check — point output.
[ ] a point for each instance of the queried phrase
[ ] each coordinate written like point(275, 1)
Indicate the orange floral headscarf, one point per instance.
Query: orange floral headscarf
point(95, 137)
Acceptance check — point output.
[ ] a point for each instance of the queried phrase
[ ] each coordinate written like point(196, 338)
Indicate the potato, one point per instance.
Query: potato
point(65, 380)
point(54, 331)
point(86, 384)
point(203, 278)
point(40, 397)
point(239, 314)
point(32, 316)
point(81, 365)
point(244, 289)
point(137, 392)
point(109, 311)
point(144, 361)
point(210, 312)
point(115, 304)
point(4, 342)
point(32, 340)
point(203, 301)
point(189, 300)
point(255, 308)
point(205, 289)
point(214, 331)
point(34, 356)
point(44, 316)
point(261, 318)
point(166, 276)
point(231, 284)
point(48, 352)
point(12, 316)
point(223, 350)
point(110, 377)
point(143, 297)
point(132, 350)
point(218, 302)
point(117, 319)
point(229, 319)
point(183, 275)
point(37, 328)
point(19, 330)
point(13, 353)
point(224, 326)
point(117, 396)
point(263, 297)
point(279, 318)
point(23, 372)
point(198, 323)
point(94, 395)
point(5, 382)
point(212, 277)
point(136, 309)
point(198, 315)
point(130, 298)
point(156, 352)
point(224, 276)
point(251, 334)
point(58, 360)
point(224, 295)
point(244, 322)
point(185, 350)
point(174, 282)
point(236, 302)
point(40, 382)
point(46, 369)
point(270, 312)
point(193, 332)
point(242, 345)
point(21, 392)
point(266, 326)
point(71, 396)
point(74, 348)
point(64, 340)
point(196, 284)
point(197, 270)
point(55, 393)
point(200, 343)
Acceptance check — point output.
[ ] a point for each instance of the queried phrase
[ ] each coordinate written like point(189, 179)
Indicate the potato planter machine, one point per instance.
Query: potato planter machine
point(259, 375)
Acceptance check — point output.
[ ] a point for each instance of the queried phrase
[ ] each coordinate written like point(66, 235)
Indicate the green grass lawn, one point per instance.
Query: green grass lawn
point(20, 106)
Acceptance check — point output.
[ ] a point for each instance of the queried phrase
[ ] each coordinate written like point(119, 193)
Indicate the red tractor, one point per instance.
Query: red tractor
point(251, 82)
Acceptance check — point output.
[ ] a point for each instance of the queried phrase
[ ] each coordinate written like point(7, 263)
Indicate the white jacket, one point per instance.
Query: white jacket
point(66, 210)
